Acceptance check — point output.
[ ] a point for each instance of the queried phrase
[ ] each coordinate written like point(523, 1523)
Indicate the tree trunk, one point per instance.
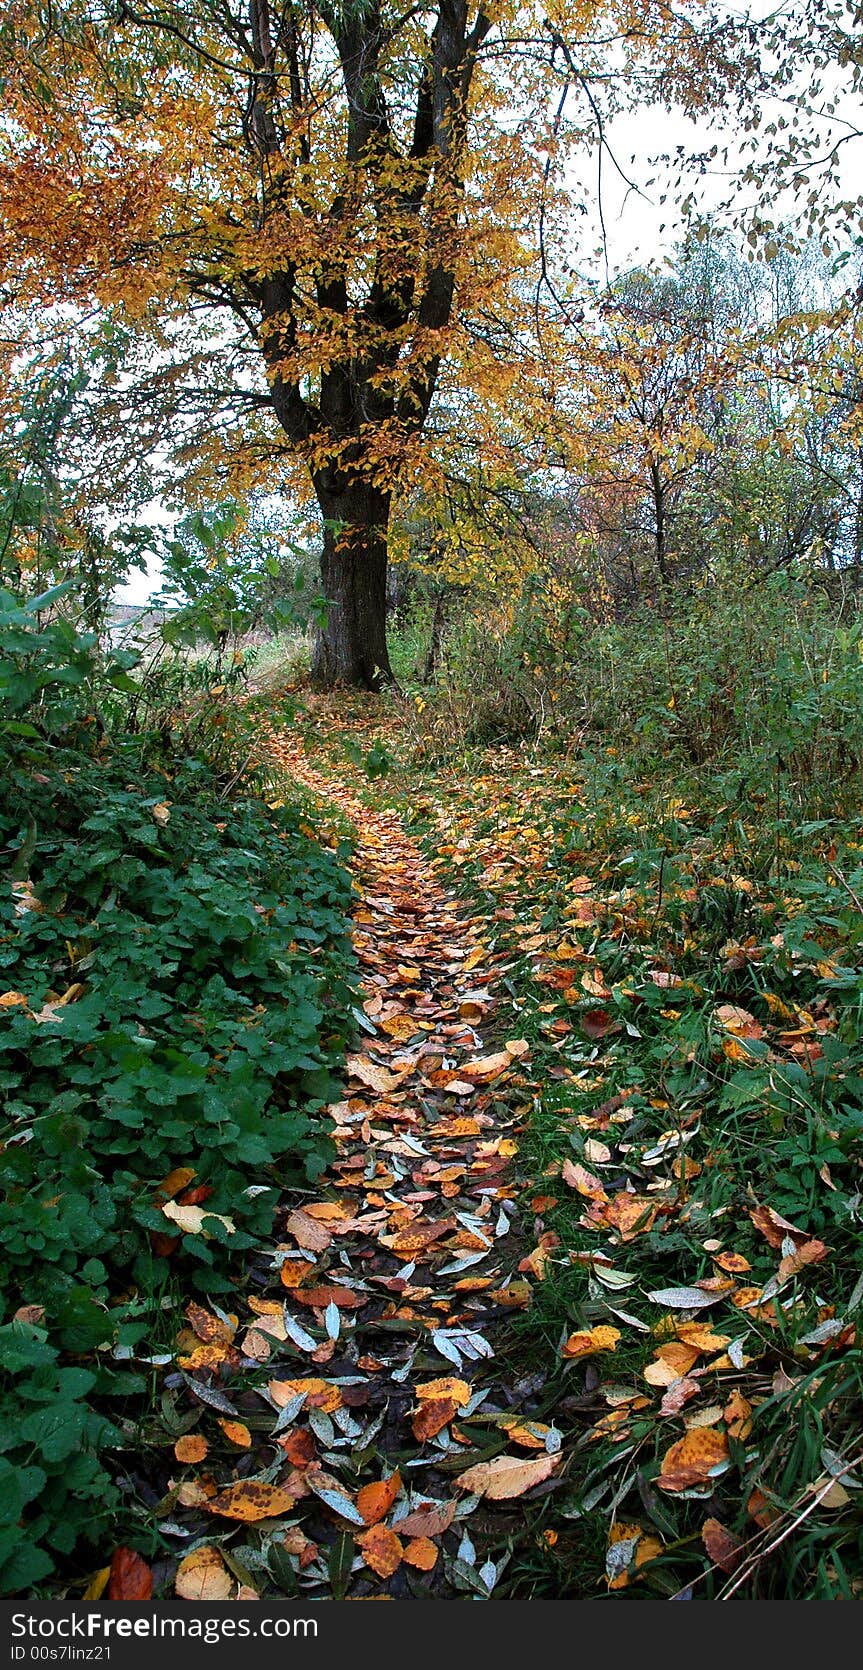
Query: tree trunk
point(351, 648)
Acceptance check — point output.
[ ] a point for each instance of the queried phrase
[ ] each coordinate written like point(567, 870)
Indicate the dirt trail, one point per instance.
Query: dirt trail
point(403, 1271)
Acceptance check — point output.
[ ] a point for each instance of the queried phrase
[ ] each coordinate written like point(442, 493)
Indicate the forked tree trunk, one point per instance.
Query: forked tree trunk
point(351, 648)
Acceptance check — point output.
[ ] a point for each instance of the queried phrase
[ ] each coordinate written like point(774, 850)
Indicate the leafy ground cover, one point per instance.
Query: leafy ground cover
point(573, 1308)
point(687, 972)
point(174, 1009)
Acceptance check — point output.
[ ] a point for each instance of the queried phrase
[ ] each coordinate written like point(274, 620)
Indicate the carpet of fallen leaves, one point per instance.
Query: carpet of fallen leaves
point(353, 1429)
point(692, 1131)
point(544, 1328)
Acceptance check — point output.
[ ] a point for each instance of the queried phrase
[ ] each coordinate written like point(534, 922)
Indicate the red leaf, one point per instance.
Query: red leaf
point(131, 1577)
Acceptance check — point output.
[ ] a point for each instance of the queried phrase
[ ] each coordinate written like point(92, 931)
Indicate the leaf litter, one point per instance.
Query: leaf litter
point(349, 1463)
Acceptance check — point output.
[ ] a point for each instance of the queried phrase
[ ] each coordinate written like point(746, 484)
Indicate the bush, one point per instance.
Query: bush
point(175, 995)
point(53, 1489)
point(763, 678)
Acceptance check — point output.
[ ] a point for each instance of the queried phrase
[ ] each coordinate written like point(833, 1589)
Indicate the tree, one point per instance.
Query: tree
point(343, 192)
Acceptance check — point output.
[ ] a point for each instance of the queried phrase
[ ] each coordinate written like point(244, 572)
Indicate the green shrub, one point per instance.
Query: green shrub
point(175, 995)
point(53, 1489)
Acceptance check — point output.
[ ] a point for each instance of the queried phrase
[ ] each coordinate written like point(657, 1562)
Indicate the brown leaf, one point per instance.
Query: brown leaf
point(208, 1327)
point(418, 1237)
point(432, 1417)
point(429, 1519)
point(130, 1576)
point(299, 1447)
point(597, 1023)
point(203, 1575)
point(344, 1298)
point(738, 1021)
point(507, 1476)
point(774, 1228)
point(370, 1074)
point(308, 1232)
point(807, 1252)
point(176, 1181)
point(722, 1546)
point(678, 1394)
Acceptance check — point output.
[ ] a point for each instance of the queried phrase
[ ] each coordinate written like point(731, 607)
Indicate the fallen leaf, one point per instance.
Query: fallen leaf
point(692, 1459)
point(775, 1228)
point(382, 1550)
point(192, 1220)
point(722, 1546)
point(583, 1181)
point(589, 1342)
point(192, 1448)
point(308, 1232)
point(130, 1577)
point(250, 1500)
point(629, 1547)
point(507, 1476)
point(319, 1394)
point(738, 1021)
point(203, 1575)
point(375, 1500)
point(176, 1181)
point(97, 1585)
point(682, 1298)
point(237, 1433)
point(379, 1079)
point(429, 1519)
point(422, 1553)
point(807, 1252)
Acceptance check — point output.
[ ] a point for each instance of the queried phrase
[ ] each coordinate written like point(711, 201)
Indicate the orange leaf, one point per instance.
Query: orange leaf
point(587, 1344)
point(250, 1501)
point(191, 1448)
point(375, 1500)
point(203, 1576)
point(237, 1433)
point(691, 1460)
point(319, 1394)
point(422, 1553)
point(382, 1550)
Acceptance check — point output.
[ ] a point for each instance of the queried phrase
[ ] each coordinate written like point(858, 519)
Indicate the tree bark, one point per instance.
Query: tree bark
point(351, 648)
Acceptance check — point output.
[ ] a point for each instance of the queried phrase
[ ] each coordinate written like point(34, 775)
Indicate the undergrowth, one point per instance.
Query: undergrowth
point(176, 992)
